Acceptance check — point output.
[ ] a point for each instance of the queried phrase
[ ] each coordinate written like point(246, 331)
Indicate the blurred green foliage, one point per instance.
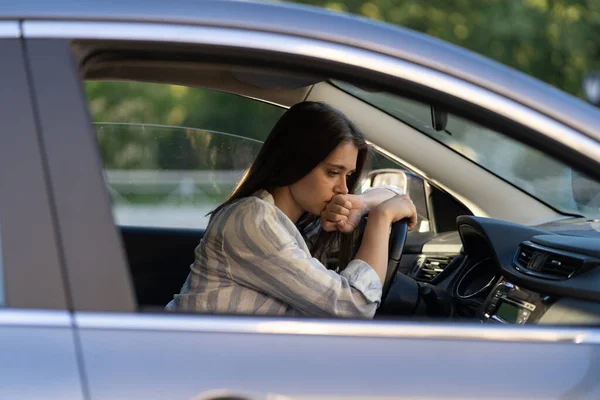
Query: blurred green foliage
point(180, 106)
point(192, 122)
point(150, 147)
point(555, 41)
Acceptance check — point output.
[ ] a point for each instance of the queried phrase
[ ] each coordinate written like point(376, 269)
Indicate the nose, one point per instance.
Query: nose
point(341, 186)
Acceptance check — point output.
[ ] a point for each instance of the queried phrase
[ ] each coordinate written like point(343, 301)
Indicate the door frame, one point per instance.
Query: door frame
point(30, 257)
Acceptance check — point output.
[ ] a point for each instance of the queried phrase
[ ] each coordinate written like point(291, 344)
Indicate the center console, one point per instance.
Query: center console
point(510, 304)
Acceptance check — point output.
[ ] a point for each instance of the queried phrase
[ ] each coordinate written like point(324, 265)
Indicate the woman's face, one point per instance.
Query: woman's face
point(315, 190)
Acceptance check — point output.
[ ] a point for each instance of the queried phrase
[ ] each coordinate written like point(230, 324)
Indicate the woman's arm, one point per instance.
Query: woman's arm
point(377, 195)
point(374, 246)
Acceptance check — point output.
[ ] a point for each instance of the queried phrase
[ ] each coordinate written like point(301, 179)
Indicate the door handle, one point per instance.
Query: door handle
point(225, 394)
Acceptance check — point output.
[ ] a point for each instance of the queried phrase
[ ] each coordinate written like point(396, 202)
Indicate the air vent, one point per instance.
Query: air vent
point(546, 264)
point(428, 267)
point(524, 255)
point(561, 267)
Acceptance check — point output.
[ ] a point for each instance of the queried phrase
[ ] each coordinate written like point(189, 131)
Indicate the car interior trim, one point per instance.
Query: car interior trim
point(467, 274)
point(490, 236)
point(435, 248)
point(10, 30)
point(382, 329)
point(337, 53)
point(45, 318)
point(105, 66)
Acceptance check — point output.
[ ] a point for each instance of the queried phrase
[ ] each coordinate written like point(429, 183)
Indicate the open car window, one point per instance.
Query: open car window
point(172, 177)
point(172, 153)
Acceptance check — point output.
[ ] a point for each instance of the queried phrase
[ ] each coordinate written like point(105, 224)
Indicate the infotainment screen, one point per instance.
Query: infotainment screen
point(508, 312)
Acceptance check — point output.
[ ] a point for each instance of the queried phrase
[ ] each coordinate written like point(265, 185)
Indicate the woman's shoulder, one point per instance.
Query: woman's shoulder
point(251, 209)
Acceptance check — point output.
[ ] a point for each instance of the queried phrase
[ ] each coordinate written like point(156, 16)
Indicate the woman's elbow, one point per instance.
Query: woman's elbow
point(362, 311)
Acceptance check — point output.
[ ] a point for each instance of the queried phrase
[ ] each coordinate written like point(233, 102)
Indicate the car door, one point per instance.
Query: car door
point(133, 355)
point(37, 340)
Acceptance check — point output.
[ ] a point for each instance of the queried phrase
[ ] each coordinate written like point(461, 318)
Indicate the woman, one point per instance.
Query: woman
point(265, 248)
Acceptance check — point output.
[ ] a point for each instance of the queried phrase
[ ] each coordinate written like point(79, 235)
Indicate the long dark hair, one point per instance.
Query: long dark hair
point(302, 138)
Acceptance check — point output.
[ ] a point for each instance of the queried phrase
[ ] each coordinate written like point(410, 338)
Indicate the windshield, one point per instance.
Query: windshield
point(532, 171)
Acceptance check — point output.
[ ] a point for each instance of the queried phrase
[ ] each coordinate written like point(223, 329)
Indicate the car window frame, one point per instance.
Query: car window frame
point(349, 70)
point(96, 271)
point(31, 265)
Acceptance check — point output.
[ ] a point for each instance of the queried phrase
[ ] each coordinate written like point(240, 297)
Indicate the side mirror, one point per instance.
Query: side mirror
point(410, 184)
point(591, 87)
point(389, 177)
point(586, 193)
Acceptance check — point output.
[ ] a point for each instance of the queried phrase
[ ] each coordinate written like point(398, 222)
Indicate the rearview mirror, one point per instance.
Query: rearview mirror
point(439, 119)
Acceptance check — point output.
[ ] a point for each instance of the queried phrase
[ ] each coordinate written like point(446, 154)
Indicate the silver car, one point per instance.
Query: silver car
point(497, 293)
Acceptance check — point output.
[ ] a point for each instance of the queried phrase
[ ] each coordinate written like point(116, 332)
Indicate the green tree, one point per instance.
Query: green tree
point(555, 41)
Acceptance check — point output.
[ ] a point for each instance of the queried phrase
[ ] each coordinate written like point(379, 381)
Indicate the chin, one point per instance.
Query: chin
point(315, 210)
point(314, 213)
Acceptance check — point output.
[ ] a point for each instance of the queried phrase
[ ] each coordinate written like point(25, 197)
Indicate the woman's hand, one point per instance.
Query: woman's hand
point(397, 208)
point(343, 213)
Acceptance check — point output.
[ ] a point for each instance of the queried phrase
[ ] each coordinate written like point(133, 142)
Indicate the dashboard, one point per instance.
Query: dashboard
point(514, 274)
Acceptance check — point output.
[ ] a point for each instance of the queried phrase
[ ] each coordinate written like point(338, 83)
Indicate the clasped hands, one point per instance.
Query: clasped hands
point(344, 211)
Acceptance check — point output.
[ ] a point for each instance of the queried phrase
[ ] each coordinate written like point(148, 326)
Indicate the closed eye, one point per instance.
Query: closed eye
point(335, 173)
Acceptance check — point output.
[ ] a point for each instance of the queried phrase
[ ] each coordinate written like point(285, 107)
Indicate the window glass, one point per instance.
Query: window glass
point(529, 169)
point(172, 153)
point(169, 176)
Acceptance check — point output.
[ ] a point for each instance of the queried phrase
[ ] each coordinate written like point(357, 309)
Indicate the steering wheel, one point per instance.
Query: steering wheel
point(409, 296)
point(396, 247)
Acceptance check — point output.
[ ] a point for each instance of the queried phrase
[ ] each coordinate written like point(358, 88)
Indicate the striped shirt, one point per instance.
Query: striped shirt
point(253, 260)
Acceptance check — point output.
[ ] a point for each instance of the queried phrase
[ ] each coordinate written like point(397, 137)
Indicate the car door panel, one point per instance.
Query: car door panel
point(38, 360)
point(184, 357)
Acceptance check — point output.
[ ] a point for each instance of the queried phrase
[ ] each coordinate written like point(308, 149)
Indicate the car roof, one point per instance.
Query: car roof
point(316, 23)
